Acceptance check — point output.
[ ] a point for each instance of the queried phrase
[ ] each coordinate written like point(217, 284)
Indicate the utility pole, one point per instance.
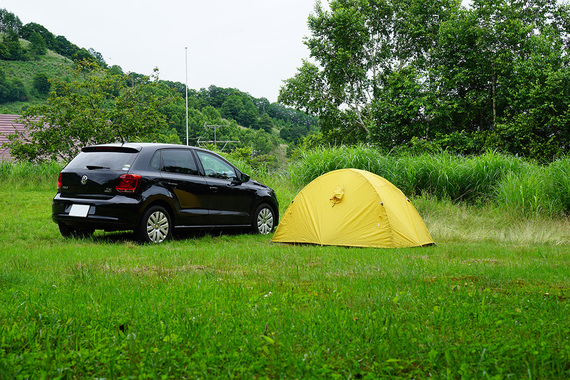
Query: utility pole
point(186, 61)
point(215, 128)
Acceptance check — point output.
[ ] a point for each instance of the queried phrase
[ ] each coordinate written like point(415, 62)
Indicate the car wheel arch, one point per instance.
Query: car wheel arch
point(162, 202)
point(268, 201)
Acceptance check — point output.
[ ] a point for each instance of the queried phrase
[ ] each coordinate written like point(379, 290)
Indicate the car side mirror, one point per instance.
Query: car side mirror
point(241, 178)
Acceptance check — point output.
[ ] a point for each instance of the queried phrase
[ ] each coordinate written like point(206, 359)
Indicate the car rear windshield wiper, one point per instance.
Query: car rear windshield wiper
point(94, 167)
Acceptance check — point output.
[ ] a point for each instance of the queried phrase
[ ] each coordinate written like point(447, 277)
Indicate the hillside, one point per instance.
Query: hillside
point(32, 58)
point(52, 64)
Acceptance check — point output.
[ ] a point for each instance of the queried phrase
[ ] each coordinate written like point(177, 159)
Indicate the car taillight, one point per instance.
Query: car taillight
point(59, 182)
point(128, 183)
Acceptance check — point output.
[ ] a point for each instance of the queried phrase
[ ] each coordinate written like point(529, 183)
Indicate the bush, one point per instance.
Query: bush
point(42, 83)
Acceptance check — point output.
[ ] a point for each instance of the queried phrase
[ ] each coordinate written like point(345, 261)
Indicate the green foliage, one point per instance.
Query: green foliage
point(558, 183)
point(398, 109)
point(11, 90)
point(42, 83)
point(9, 22)
point(30, 176)
point(259, 166)
point(51, 64)
point(540, 190)
point(389, 72)
point(95, 107)
point(12, 48)
point(511, 182)
point(246, 120)
point(212, 106)
point(31, 29)
point(38, 44)
point(42, 39)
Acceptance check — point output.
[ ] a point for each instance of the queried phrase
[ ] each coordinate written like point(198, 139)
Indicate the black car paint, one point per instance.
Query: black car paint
point(115, 211)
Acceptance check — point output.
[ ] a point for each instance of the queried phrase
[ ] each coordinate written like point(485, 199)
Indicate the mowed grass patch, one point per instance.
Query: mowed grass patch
point(239, 306)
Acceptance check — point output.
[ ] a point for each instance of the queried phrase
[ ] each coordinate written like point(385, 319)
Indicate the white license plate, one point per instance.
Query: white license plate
point(79, 210)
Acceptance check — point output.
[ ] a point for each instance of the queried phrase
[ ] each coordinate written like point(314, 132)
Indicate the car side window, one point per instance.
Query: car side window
point(155, 162)
point(215, 167)
point(178, 161)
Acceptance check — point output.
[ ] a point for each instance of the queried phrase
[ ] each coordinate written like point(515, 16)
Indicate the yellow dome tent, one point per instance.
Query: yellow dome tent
point(352, 207)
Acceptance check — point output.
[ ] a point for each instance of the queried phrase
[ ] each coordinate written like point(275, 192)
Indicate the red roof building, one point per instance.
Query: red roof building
point(8, 126)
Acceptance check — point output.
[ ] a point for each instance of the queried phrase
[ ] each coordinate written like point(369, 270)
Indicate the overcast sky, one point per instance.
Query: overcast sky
point(250, 45)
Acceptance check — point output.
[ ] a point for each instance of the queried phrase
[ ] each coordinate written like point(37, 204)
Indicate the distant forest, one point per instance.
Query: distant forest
point(31, 58)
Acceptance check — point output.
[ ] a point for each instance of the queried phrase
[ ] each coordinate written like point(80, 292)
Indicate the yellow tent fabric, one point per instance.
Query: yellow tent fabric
point(352, 207)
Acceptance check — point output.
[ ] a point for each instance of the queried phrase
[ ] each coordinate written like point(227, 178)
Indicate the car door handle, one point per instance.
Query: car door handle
point(214, 189)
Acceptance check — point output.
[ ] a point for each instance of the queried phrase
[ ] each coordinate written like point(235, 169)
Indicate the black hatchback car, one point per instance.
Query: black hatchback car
point(153, 189)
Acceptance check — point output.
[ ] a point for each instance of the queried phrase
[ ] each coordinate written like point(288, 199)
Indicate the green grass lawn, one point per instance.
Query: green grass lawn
point(491, 300)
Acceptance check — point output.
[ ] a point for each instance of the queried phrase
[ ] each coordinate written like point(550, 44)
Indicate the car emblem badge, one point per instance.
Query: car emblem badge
point(84, 180)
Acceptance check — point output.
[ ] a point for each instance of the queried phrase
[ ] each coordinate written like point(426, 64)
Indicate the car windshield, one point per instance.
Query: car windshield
point(102, 160)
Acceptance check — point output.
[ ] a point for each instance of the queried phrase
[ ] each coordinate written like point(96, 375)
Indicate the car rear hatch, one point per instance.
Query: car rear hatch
point(96, 171)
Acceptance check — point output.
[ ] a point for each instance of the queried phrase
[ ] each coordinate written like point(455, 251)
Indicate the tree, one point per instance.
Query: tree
point(14, 49)
point(232, 107)
point(398, 109)
point(399, 72)
point(98, 57)
point(38, 44)
point(64, 47)
point(82, 55)
point(9, 22)
point(538, 124)
point(4, 54)
point(357, 46)
point(497, 63)
point(28, 30)
point(265, 123)
point(42, 83)
point(247, 116)
point(95, 107)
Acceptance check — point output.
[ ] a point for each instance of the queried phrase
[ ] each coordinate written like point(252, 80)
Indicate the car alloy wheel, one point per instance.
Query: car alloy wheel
point(155, 225)
point(264, 220)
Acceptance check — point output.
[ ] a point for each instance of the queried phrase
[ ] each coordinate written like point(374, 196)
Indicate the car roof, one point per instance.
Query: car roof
point(137, 146)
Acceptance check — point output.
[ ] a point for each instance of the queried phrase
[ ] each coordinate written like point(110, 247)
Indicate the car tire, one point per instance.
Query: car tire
point(155, 226)
point(64, 230)
point(263, 220)
point(68, 232)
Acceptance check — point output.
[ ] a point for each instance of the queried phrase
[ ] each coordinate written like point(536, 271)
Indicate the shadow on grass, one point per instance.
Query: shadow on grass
point(120, 237)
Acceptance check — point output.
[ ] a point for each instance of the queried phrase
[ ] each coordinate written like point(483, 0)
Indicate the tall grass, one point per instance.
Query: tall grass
point(274, 179)
point(516, 185)
point(21, 174)
point(558, 184)
point(521, 186)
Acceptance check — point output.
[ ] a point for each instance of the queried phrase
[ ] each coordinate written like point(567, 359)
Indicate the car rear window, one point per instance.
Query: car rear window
point(102, 160)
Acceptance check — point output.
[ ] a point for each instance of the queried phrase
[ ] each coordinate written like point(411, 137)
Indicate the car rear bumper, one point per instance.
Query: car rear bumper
point(117, 213)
